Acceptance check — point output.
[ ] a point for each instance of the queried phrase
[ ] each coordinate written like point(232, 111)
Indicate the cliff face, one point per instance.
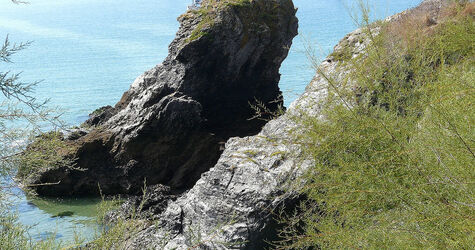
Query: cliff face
point(170, 126)
point(231, 206)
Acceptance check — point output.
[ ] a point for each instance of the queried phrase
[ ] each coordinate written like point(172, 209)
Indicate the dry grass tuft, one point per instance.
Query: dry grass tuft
point(469, 10)
point(409, 28)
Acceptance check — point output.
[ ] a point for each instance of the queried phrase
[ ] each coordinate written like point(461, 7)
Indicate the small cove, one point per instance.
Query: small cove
point(88, 53)
point(66, 219)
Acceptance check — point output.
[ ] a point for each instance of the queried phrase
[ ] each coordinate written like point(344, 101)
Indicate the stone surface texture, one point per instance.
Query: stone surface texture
point(170, 126)
point(232, 204)
point(185, 107)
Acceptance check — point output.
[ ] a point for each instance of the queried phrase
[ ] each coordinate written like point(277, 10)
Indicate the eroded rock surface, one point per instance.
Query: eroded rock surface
point(169, 127)
point(231, 206)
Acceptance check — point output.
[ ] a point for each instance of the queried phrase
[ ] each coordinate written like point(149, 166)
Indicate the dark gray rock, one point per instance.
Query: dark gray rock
point(100, 116)
point(169, 126)
point(76, 133)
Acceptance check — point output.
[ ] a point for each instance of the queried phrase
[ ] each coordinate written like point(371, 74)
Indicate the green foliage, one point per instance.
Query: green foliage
point(394, 155)
point(13, 236)
point(113, 235)
point(20, 115)
point(43, 152)
point(120, 226)
point(262, 111)
point(344, 54)
point(208, 14)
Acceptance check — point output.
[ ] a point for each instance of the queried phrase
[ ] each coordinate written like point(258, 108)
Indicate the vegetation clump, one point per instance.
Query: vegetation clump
point(207, 13)
point(394, 156)
point(117, 227)
point(44, 152)
point(14, 235)
point(252, 13)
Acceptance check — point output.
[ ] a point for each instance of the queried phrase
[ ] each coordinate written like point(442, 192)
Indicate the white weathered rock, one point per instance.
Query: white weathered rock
point(231, 206)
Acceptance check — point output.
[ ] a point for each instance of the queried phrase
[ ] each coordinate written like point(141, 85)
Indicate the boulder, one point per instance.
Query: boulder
point(169, 127)
point(233, 204)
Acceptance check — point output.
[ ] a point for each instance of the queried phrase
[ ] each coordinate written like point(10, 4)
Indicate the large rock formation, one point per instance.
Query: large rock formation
point(231, 206)
point(171, 125)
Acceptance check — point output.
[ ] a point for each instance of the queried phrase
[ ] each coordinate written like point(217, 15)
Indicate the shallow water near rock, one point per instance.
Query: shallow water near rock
point(89, 52)
point(67, 220)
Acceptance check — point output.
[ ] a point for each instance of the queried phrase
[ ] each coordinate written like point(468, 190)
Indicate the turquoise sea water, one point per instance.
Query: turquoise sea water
point(62, 219)
point(88, 52)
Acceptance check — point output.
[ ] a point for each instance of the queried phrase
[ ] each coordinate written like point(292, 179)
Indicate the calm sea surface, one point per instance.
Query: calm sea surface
point(88, 52)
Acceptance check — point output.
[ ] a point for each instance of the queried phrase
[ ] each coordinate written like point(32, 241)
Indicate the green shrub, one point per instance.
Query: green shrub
point(114, 231)
point(45, 151)
point(394, 156)
point(13, 236)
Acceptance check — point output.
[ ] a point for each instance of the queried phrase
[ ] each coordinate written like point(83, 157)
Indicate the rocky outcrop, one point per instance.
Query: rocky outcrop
point(170, 126)
point(231, 206)
point(100, 116)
